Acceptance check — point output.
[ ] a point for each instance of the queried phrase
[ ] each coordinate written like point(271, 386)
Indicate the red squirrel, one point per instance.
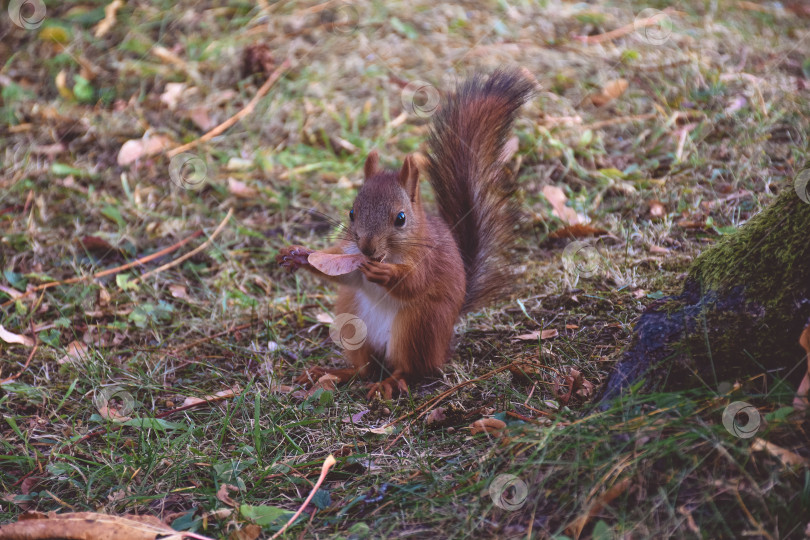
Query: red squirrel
point(423, 271)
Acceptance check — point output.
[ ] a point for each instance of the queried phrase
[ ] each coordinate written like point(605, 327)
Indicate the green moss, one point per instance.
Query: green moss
point(769, 255)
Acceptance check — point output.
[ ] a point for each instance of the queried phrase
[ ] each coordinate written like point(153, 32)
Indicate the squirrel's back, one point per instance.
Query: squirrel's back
point(474, 194)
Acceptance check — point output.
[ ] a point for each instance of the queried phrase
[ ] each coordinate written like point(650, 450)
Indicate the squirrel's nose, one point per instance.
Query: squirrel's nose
point(366, 247)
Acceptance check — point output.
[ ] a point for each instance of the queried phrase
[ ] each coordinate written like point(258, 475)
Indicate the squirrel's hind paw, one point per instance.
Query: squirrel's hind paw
point(388, 388)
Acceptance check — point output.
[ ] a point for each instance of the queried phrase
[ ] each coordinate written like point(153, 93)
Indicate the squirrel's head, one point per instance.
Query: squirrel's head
point(387, 211)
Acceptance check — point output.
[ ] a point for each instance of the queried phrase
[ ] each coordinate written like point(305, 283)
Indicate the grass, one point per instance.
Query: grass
point(725, 99)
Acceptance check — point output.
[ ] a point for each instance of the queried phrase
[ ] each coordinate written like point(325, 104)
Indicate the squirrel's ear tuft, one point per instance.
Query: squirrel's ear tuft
point(372, 164)
point(409, 178)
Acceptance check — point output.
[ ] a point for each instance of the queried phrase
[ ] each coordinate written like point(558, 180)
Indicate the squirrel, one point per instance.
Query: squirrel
point(422, 271)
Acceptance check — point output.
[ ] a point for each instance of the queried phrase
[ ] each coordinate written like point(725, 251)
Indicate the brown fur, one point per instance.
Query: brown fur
point(420, 277)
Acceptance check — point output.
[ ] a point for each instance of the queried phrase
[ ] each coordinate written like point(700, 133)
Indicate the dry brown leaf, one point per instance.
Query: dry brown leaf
point(324, 318)
point(657, 209)
point(146, 146)
point(178, 291)
point(610, 91)
point(88, 526)
point(76, 350)
point(223, 394)
point(335, 264)
point(436, 416)
point(13, 293)
point(782, 454)
point(251, 531)
point(577, 230)
point(327, 382)
point(548, 333)
point(557, 198)
point(488, 425)
point(11, 337)
point(240, 189)
point(222, 494)
point(201, 118)
point(106, 24)
point(575, 528)
point(172, 93)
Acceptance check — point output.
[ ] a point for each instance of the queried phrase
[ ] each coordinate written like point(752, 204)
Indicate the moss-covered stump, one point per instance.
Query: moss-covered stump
point(741, 312)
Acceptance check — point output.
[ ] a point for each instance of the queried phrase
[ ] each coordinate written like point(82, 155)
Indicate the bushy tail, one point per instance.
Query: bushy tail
point(466, 169)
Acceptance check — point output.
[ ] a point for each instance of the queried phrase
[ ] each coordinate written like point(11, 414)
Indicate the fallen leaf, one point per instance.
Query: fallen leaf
point(548, 333)
point(575, 528)
point(222, 494)
point(146, 146)
point(223, 394)
point(639, 294)
point(324, 318)
point(13, 293)
point(11, 337)
point(76, 350)
point(557, 198)
point(106, 24)
point(577, 230)
point(178, 291)
point(240, 189)
point(782, 454)
point(172, 93)
point(61, 85)
point(488, 425)
point(657, 209)
point(612, 90)
point(436, 416)
point(356, 418)
point(250, 531)
point(327, 383)
point(88, 525)
point(335, 264)
point(200, 117)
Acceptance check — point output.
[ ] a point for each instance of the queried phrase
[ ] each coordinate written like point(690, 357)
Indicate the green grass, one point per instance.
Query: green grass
point(716, 148)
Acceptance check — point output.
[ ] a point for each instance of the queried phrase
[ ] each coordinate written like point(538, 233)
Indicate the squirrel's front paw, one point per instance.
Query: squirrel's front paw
point(293, 257)
point(383, 274)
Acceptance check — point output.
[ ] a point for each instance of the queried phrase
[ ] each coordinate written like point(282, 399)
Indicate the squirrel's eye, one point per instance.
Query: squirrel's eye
point(351, 214)
point(400, 221)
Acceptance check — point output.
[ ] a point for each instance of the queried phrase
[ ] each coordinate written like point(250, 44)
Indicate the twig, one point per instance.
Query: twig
point(238, 116)
point(435, 401)
point(164, 414)
point(30, 356)
point(327, 464)
point(137, 262)
point(188, 255)
point(626, 29)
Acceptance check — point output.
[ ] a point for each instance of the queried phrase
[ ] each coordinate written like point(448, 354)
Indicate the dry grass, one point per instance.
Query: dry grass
point(712, 124)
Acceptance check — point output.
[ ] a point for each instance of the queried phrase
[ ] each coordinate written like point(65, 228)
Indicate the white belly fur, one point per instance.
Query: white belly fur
point(377, 309)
